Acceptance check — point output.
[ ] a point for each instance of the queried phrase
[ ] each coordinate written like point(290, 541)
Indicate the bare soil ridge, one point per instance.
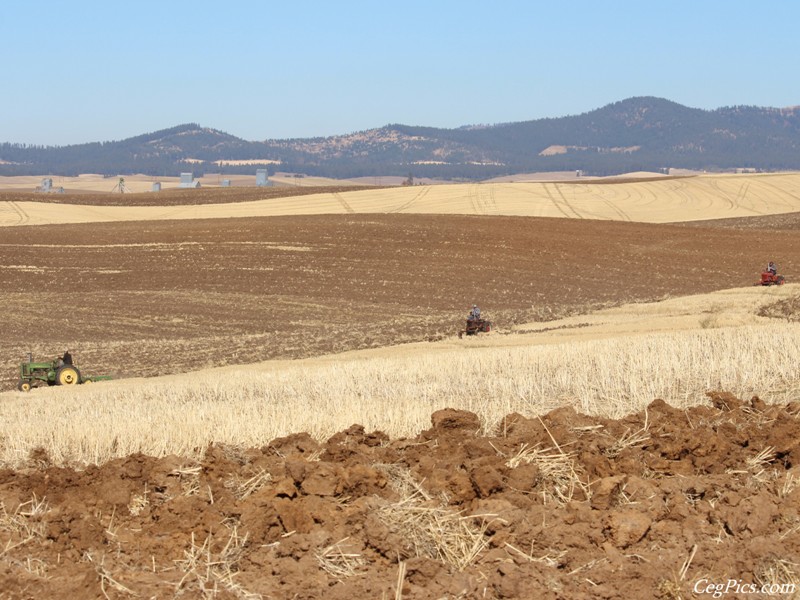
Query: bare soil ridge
point(559, 506)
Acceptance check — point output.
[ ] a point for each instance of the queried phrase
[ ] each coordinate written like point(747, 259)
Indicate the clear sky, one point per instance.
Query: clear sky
point(98, 70)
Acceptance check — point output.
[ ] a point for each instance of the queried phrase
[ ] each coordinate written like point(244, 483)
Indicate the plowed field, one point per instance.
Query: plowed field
point(164, 297)
point(657, 505)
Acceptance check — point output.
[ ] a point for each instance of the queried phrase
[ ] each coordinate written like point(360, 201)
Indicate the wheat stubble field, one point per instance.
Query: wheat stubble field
point(192, 496)
point(657, 200)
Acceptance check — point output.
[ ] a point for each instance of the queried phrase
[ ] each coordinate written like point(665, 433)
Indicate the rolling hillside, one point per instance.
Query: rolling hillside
point(643, 133)
point(661, 200)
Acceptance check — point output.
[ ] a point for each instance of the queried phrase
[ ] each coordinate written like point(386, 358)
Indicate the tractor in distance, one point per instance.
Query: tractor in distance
point(55, 372)
point(769, 278)
point(475, 323)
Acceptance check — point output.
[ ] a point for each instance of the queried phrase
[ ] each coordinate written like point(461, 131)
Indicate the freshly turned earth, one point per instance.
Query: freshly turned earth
point(657, 501)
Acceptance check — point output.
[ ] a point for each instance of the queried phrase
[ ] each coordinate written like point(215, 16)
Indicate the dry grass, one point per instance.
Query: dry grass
point(430, 528)
point(208, 571)
point(611, 378)
point(108, 581)
point(242, 488)
point(189, 478)
point(338, 562)
point(23, 525)
point(551, 559)
point(758, 462)
point(139, 502)
point(780, 577)
point(630, 439)
point(558, 477)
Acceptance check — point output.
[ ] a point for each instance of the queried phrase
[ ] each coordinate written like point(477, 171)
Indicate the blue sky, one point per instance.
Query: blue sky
point(84, 70)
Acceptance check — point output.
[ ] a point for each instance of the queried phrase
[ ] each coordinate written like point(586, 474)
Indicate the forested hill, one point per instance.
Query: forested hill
point(638, 134)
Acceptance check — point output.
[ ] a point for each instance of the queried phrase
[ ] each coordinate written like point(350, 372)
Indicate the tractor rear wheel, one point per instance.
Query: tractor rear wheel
point(67, 375)
point(24, 386)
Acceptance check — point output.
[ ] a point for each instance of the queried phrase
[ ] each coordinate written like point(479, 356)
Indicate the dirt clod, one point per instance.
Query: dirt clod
point(450, 513)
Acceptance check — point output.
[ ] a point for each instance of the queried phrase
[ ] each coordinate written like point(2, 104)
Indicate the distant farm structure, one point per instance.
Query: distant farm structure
point(261, 178)
point(46, 187)
point(188, 181)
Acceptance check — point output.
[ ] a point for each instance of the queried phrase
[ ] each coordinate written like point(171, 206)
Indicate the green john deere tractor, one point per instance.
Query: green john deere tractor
point(32, 374)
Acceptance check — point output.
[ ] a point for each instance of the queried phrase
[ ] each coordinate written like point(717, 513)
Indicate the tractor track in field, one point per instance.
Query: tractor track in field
point(347, 208)
point(471, 198)
point(408, 204)
point(19, 213)
point(681, 192)
point(779, 193)
point(742, 193)
point(492, 202)
point(474, 199)
point(561, 204)
point(737, 202)
point(616, 209)
point(482, 199)
point(23, 216)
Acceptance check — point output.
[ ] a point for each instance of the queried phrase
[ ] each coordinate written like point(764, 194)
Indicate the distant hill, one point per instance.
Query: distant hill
point(637, 134)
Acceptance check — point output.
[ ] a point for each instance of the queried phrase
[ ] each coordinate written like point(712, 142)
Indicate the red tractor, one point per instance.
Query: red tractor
point(770, 278)
point(475, 326)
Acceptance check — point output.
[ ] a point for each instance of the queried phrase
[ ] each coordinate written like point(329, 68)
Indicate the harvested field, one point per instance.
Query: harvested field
point(661, 200)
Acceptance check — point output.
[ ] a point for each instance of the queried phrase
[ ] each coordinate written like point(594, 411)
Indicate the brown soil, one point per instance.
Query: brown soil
point(785, 221)
point(180, 197)
point(566, 506)
point(149, 298)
